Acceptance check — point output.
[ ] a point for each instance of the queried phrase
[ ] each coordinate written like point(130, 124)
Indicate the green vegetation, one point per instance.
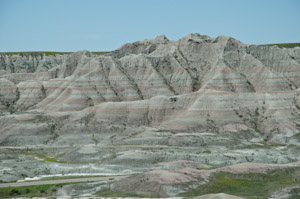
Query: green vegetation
point(284, 45)
point(295, 193)
point(251, 185)
point(53, 159)
point(47, 53)
point(30, 191)
point(70, 177)
point(45, 158)
point(56, 53)
point(202, 168)
point(41, 53)
point(100, 53)
point(109, 193)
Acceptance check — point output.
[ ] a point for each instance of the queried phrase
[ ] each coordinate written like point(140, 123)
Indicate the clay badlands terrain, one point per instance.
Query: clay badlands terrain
point(198, 117)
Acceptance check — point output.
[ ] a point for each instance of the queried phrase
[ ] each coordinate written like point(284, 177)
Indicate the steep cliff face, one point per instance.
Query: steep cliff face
point(196, 84)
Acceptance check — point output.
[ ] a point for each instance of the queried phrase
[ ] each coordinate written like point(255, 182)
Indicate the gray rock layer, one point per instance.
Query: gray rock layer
point(196, 84)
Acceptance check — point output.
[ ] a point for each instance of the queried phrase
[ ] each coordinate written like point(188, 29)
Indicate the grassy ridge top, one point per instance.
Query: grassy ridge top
point(47, 53)
point(284, 45)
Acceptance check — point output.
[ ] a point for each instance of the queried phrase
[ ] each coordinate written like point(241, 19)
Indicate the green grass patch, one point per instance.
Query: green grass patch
point(109, 193)
point(71, 177)
point(54, 159)
point(100, 53)
point(56, 53)
point(211, 168)
point(46, 53)
point(251, 185)
point(284, 45)
point(45, 158)
point(35, 54)
point(30, 191)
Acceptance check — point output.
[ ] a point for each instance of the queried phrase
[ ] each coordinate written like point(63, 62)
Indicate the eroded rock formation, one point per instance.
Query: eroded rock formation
point(195, 84)
point(156, 104)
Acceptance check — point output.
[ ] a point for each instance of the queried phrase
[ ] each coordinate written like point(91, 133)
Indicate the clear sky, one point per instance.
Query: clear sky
point(104, 25)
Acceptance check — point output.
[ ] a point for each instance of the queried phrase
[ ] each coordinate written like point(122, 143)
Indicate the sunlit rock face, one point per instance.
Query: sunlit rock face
point(196, 84)
point(168, 110)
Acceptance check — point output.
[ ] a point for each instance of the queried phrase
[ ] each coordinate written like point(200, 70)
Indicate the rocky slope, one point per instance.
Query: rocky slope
point(195, 84)
point(214, 101)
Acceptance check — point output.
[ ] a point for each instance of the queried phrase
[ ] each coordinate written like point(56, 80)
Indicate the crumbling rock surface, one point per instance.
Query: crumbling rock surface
point(200, 101)
point(196, 84)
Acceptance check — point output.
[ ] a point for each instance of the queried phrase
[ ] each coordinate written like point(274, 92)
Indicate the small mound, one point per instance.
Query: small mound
point(154, 183)
point(218, 196)
point(167, 177)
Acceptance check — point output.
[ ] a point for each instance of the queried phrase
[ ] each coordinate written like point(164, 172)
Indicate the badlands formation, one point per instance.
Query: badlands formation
point(179, 117)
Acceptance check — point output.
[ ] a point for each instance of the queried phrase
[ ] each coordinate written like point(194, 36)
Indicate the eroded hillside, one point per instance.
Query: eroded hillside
point(212, 101)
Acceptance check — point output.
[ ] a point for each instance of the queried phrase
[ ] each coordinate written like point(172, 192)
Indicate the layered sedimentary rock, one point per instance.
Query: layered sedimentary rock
point(197, 84)
point(164, 108)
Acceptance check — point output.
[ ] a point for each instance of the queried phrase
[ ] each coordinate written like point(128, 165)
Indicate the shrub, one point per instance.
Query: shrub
point(14, 192)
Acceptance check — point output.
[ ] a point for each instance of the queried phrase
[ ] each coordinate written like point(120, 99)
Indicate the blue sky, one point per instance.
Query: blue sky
point(104, 25)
